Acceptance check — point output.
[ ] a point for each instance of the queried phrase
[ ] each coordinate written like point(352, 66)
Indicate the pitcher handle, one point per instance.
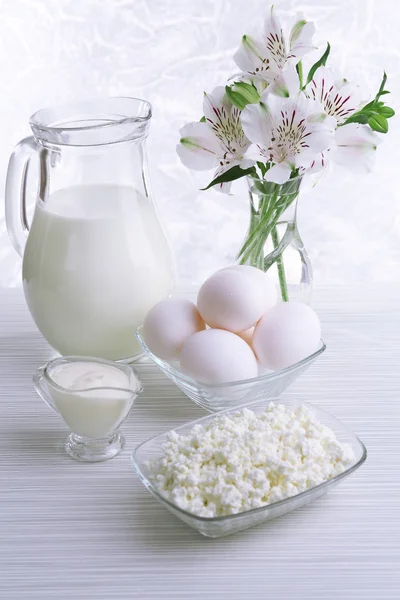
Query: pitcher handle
point(15, 197)
point(37, 379)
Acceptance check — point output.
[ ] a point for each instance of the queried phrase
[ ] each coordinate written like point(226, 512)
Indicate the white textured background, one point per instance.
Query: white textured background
point(169, 51)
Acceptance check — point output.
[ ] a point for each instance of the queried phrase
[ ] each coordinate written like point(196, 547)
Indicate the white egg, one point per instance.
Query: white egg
point(287, 333)
point(231, 300)
point(169, 324)
point(247, 335)
point(218, 356)
point(264, 281)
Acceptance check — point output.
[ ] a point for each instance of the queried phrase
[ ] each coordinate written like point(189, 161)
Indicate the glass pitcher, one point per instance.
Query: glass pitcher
point(95, 258)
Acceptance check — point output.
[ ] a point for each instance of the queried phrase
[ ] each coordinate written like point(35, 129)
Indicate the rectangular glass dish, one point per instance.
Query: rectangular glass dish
point(217, 397)
point(215, 527)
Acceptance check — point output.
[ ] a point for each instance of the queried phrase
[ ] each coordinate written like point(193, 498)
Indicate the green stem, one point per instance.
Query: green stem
point(263, 222)
point(256, 226)
point(260, 223)
point(280, 266)
point(254, 250)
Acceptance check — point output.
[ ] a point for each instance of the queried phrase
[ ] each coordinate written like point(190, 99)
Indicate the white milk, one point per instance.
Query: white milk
point(95, 262)
point(91, 413)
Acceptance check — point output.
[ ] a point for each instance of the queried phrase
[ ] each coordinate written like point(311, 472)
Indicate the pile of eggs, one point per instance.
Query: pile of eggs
point(247, 328)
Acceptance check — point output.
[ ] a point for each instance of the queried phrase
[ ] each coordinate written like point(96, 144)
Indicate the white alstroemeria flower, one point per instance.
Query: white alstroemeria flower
point(339, 99)
point(355, 147)
point(290, 132)
point(219, 142)
point(355, 144)
point(320, 162)
point(286, 84)
point(264, 60)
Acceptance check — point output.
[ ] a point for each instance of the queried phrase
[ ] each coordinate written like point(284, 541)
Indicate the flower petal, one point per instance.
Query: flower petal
point(355, 147)
point(287, 131)
point(275, 42)
point(311, 161)
point(294, 133)
point(247, 162)
point(338, 102)
point(318, 162)
point(224, 120)
point(256, 123)
point(321, 137)
point(256, 154)
point(286, 84)
point(198, 147)
point(214, 103)
point(224, 188)
point(265, 60)
point(278, 173)
point(300, 39)
point(253, 59)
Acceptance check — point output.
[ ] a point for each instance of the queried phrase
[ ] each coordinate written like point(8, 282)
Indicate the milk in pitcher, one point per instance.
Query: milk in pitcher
point(95, 262)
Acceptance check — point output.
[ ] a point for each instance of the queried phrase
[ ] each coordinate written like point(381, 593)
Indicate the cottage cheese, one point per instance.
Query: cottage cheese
point(245, 460)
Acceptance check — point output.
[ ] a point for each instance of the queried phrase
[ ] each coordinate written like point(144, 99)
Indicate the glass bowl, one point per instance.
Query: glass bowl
point(216, 397)
point(215, 527)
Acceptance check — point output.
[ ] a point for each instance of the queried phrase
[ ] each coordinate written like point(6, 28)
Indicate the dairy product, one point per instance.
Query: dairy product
point(246, 460)
point(95, 262)
point(93, 398)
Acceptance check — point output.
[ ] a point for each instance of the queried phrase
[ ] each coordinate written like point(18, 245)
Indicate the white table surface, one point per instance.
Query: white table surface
point(71, 530)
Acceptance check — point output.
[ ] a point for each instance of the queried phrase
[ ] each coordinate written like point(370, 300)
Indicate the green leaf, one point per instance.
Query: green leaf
point(263, 167)
point(375, 113)
point(234, 173)
point(357, 118)
point(369, 106)
point(266, 188)
point(236, 98)
point(203, 119)
point(321, 62)
point(387, 112)
point(378, 123)
point(291, 186)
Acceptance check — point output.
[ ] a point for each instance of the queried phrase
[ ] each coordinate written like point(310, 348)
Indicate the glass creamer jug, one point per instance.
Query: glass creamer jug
point(95, 259)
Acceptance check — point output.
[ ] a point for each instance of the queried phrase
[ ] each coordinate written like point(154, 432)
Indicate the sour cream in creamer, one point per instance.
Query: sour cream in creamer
point(93, 398)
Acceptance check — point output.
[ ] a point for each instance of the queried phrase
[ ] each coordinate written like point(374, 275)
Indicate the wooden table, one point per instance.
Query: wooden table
point(92, 532)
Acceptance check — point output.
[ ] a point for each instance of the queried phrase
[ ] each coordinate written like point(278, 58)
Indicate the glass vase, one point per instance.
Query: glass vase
point(273, 242)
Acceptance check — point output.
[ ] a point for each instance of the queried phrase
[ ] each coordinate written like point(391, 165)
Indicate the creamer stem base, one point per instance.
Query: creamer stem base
point(90, 450)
